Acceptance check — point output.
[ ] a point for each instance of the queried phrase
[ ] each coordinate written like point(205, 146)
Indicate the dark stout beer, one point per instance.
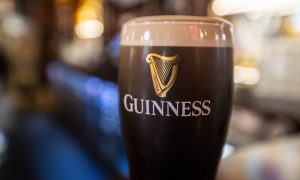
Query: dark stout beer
point(175, 96)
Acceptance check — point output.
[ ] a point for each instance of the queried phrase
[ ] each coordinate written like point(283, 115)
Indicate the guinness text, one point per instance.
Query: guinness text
point(166, 108)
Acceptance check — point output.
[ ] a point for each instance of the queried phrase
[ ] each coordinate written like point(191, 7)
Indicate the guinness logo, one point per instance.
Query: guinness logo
point(163, 71)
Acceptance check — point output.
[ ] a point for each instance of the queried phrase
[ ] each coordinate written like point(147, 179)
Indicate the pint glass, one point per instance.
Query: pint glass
point(175, 80)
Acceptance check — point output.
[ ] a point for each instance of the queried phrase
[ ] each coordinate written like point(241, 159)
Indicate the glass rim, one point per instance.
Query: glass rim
point(177, 19)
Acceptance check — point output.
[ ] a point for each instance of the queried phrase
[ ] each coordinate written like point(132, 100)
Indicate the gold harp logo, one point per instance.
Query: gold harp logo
point(163, 71)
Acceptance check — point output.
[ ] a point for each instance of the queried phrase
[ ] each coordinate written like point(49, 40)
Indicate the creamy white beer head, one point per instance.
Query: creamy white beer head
point(190, 31)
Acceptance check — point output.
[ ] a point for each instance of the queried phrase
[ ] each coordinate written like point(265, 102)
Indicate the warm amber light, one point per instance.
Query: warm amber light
point(89, 19)
point(246, 75)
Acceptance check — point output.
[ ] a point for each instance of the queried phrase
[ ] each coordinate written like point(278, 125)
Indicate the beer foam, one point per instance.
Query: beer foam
point(190, 31)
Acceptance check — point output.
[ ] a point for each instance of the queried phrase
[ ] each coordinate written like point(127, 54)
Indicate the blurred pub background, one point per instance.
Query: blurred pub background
point(59, 115)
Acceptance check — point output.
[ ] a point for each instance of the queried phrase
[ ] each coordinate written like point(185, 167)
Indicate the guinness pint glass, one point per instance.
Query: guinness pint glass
point(175, 78)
